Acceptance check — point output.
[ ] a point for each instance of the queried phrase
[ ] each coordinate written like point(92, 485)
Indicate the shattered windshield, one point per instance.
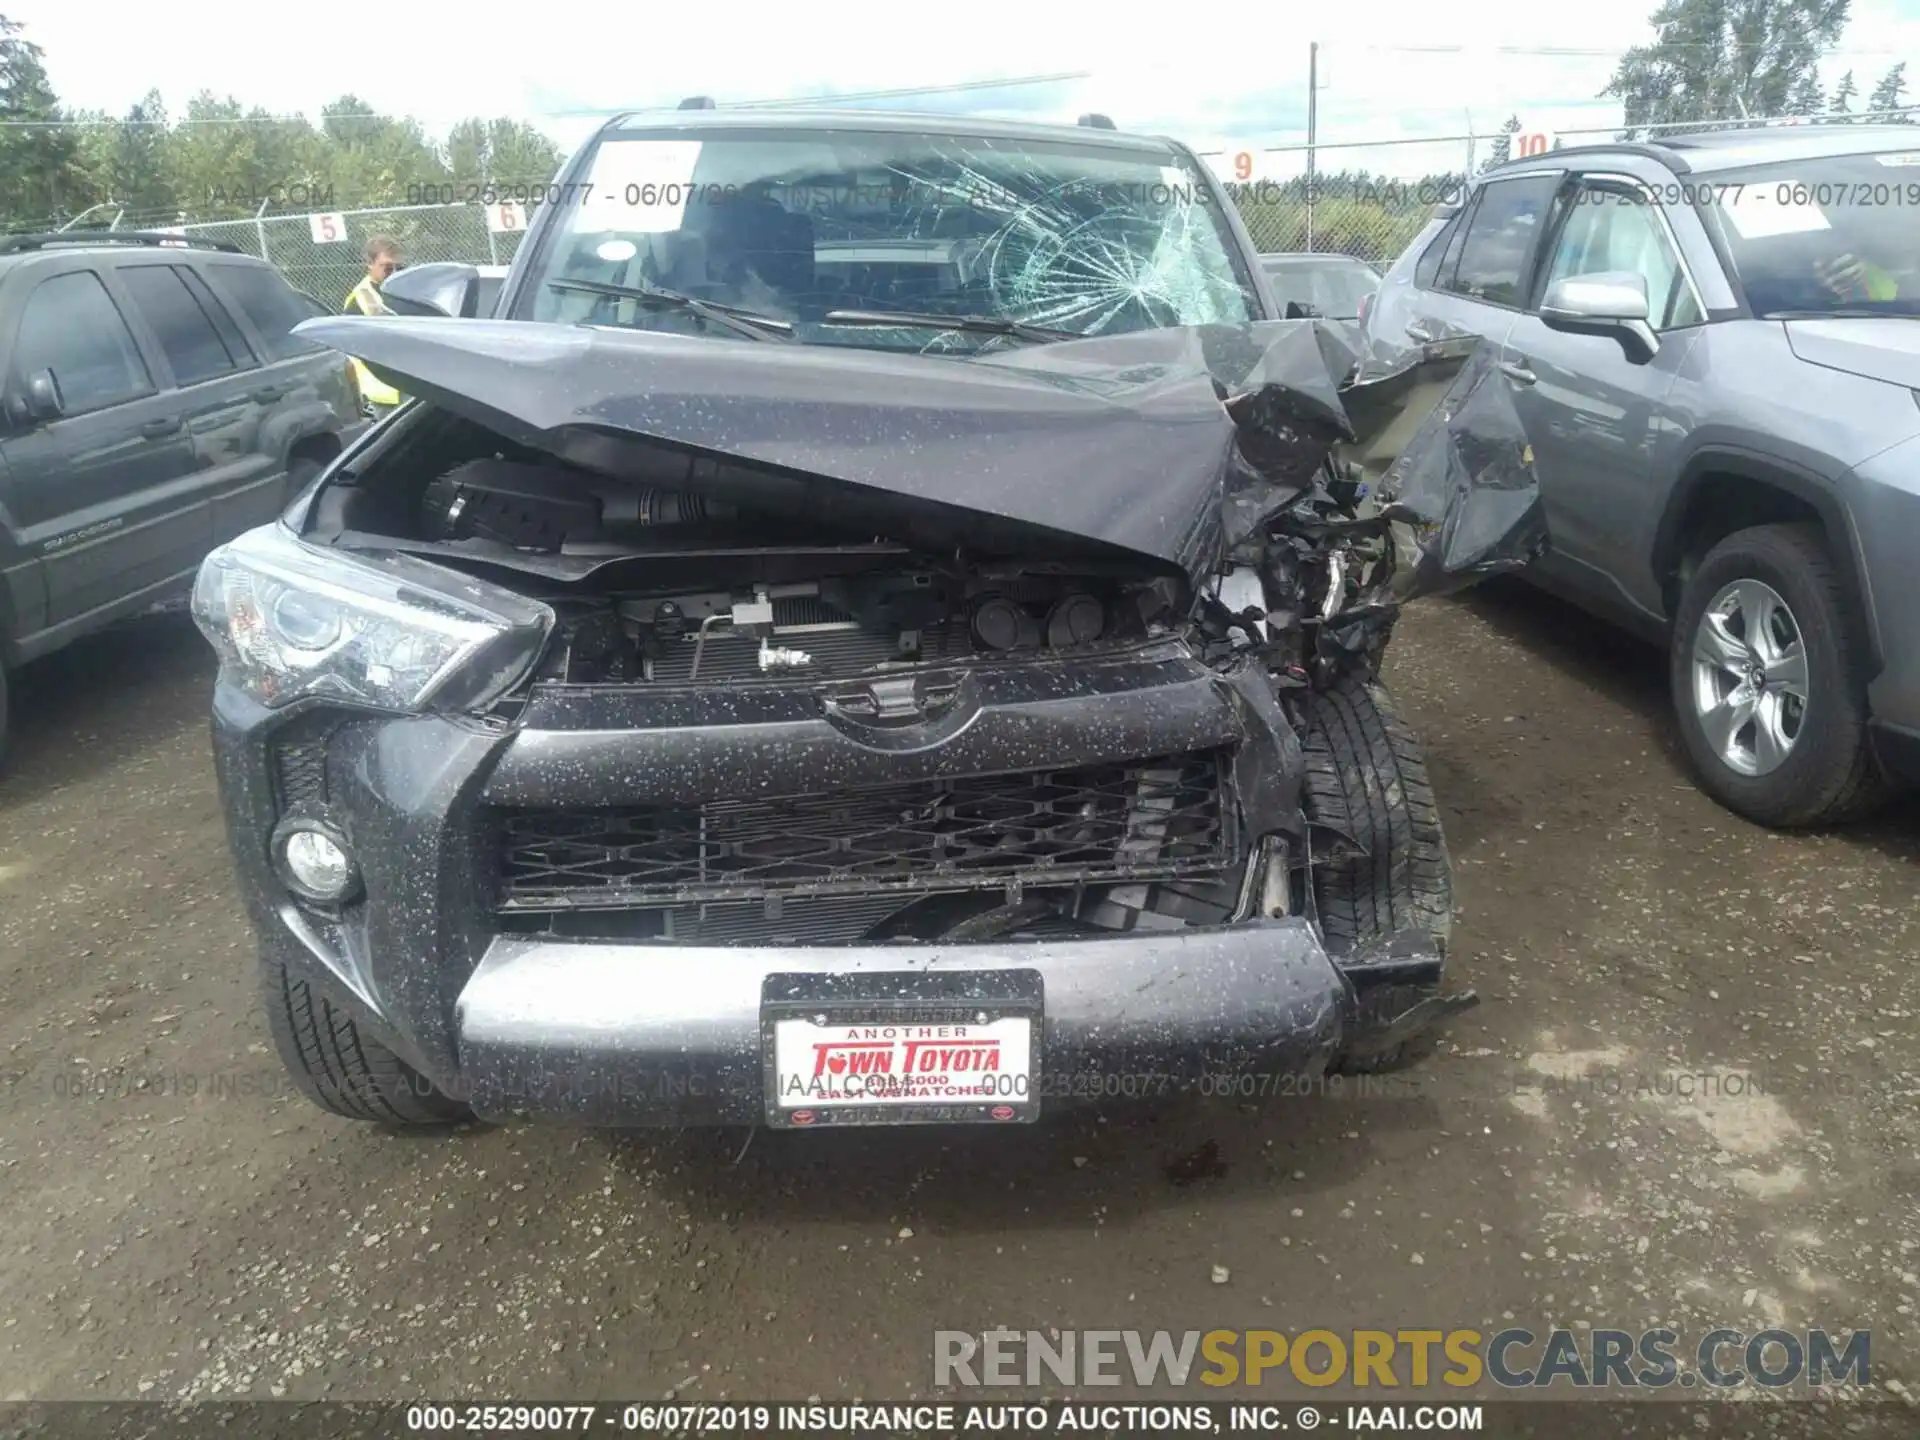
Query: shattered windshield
point(1084, 238)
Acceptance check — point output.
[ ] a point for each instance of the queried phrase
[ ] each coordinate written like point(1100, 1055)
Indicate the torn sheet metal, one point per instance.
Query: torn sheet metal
point(1179, 445)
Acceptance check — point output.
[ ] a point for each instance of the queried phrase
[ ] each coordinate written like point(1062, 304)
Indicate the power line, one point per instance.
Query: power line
point(1587, 51)
point(604, 113)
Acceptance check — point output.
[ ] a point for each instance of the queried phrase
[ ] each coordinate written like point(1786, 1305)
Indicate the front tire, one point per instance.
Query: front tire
point(342, 1071)
point(1769, 677)
point(1366, 778)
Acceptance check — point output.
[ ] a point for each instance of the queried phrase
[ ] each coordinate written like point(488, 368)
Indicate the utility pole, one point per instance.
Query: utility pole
point(1313, 114)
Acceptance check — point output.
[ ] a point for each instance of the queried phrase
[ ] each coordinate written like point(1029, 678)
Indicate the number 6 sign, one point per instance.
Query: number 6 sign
point(329, 229)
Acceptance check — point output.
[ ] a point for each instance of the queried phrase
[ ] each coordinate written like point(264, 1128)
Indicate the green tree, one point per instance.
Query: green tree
point(38, 148)
point(1887, 95)
point(1805, 98)
point(1840, 108)
point(95, 134)
point(349, 121)
point(1716, 60)
point(506, 152)
point(375, 159)
point(1502, 148)
point(138, 163)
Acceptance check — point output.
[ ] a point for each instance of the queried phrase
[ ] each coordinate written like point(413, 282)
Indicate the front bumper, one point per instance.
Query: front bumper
point(636, 1032)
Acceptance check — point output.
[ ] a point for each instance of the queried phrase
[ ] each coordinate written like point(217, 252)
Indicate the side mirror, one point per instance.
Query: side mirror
point(441, 288)
point(42, 400)
point(1613, 303)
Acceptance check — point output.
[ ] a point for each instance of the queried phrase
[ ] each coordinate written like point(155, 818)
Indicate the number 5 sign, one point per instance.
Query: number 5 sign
point(328, 229)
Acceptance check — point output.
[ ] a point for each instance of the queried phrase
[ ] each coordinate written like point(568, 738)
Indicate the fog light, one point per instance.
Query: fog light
point(315, 862)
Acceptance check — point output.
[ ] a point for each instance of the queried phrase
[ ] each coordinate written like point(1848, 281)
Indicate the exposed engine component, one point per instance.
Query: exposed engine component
point(779, 657)
point(838, 627)
point(999, 624)
point(1079, 619)
point(544, 507)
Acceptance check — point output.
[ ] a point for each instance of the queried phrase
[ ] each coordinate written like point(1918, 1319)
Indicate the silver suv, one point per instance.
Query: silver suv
point(1711, 343)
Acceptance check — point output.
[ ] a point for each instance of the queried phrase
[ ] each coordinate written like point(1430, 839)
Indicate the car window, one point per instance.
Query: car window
point(1426, 273)
point(272, 305)
point(72, 327)
point(1500, 238)
point(222, 318)
point(1821, 236)
point(1084, 236)
point(1610, 230)
point(1450, 257)
point(192, 346)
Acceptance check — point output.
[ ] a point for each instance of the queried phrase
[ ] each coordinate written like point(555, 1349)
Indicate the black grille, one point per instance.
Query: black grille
point(1143, 819)
point(300, 762)
point(809, 920)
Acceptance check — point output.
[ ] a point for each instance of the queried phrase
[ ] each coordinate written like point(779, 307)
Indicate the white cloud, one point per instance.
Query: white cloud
point(1210, 81)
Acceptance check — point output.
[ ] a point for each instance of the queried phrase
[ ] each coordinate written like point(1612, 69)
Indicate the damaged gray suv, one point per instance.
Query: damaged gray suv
point(885, 630)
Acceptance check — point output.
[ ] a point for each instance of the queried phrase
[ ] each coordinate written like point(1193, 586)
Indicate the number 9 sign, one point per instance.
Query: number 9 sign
point(1238, 165)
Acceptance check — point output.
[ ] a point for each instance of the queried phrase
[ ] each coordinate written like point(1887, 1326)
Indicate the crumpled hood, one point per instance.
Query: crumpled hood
point(1879, 349)
point(1162, 444)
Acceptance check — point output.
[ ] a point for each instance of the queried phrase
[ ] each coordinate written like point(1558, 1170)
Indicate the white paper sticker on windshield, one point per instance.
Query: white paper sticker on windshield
point(1761, 211)
point(640, 186)
point(1905, 157)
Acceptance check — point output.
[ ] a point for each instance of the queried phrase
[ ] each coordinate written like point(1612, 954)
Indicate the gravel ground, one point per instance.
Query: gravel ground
point(1686, 1100)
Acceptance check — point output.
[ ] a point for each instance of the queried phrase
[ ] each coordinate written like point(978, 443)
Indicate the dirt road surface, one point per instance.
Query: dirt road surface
point(1688, 1099)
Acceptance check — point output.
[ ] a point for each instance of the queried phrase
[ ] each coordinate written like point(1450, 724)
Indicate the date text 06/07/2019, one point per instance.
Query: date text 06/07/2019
point(1058, 1417)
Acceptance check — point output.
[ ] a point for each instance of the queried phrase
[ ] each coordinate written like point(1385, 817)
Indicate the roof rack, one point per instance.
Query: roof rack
point(1094, 120)
point(48, 239)
point(697, 102)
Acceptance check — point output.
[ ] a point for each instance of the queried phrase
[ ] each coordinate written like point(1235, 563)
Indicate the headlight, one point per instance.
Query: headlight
point(391, 632)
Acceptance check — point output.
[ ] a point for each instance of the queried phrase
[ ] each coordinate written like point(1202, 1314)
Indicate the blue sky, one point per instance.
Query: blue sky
point(1390, 72)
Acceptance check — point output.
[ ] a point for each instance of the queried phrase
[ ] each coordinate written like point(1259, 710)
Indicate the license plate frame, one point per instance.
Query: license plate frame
point(900, 1002)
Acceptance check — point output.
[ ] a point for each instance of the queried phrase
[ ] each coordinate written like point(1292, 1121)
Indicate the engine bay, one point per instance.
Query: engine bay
point(738, 595)
point(833, 627)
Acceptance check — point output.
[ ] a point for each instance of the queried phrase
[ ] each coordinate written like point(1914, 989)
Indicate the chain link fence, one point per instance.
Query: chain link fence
point(302, 247)
point(1365, 200)
point(1368, 199)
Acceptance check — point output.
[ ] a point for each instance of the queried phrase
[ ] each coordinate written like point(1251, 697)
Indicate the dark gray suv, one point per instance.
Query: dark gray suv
point(881, 629)
point(154, 403)
point(1711, 343)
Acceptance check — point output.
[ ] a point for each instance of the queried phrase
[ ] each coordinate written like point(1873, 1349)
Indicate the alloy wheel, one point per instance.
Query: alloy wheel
point(1750, 681)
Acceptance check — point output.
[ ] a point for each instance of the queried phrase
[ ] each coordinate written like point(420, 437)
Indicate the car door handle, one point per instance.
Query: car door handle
point(1515, 371)
point(1419, 334)
point(265, 395)
point(159, 429)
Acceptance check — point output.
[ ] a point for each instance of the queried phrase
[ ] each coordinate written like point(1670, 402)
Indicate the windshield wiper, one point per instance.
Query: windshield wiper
point(926, 320)
point(749, 323)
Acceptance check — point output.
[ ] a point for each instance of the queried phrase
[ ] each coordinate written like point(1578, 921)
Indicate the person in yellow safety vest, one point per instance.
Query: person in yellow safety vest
point(383, 258)
point(1854, 279)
